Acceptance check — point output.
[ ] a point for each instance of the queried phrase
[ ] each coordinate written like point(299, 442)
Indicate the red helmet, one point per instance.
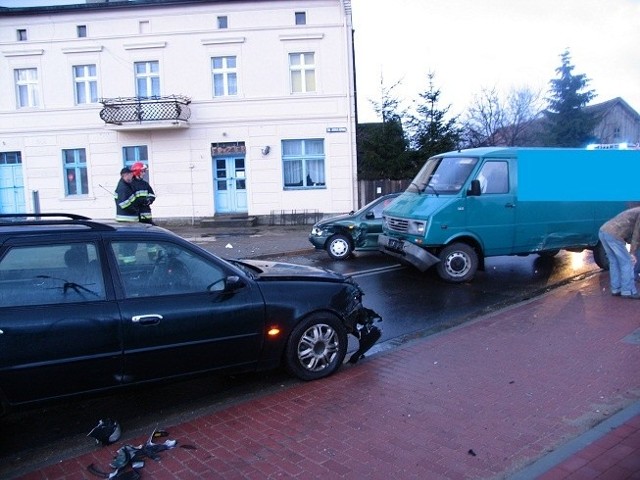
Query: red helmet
point(138, 168)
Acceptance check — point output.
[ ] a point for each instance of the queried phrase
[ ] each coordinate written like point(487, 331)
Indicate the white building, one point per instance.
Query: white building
point(237, 107)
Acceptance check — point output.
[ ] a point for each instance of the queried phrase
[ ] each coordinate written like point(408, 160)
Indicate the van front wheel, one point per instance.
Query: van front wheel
point(458, 263)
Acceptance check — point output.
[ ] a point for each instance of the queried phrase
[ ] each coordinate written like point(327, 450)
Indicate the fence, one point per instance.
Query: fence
point(369, 190)
point(294, 217)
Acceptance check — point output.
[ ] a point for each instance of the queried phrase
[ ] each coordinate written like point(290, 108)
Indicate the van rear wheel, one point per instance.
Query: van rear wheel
point(458, 263)
point(600, 256)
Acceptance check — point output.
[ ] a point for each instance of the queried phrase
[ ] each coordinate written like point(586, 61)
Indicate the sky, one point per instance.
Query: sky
point(474, 44)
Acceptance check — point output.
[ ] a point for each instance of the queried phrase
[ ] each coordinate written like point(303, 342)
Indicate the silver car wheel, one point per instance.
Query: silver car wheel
point(318, 347)
point(339, 247)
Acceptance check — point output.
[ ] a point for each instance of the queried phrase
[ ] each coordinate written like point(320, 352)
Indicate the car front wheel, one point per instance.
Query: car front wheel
point(316, 348)
point(458, 263)
point(339, 247)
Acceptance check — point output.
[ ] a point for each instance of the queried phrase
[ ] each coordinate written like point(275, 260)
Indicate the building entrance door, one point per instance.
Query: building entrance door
point(230, 184)
point(11, 183)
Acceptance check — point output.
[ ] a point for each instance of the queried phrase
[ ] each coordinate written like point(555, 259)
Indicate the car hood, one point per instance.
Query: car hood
point(265, 270)
point(336, 219)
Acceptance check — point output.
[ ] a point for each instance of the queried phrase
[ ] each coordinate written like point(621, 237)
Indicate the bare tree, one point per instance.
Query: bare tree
point(484, 119)
point(524, 108)
point(496, 120)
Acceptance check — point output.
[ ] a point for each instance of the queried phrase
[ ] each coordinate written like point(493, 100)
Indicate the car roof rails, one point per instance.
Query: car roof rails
point(12, 219)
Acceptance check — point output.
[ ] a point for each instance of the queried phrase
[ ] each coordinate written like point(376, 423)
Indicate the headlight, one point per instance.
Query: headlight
point(416, 227)
point(316, 231)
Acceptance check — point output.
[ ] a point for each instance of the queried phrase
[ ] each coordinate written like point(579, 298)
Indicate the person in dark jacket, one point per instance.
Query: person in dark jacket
point(615, 234)
point(144, 193)
point(125, 197)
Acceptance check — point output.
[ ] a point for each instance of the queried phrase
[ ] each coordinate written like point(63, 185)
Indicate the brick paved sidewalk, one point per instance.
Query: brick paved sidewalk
point(484, 400)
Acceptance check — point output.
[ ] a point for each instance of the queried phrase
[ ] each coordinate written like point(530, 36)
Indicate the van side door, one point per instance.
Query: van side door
point(491, 215)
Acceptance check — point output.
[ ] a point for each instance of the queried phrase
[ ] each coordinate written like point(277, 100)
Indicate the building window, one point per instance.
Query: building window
point(303, 163)
point(616, 133)
point(27, 87)
point(303, 72)
point(136, 153)
point(147, 79)
point(301, 18)
point(21, 34)
point(10, 158)
point(82, 31)
point(223, 22)
point(144, 26)
point(85, 84)
point(75, 172)
point(225, 76)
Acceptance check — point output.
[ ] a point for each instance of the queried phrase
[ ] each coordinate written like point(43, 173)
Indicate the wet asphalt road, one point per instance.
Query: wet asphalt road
point(410, 302)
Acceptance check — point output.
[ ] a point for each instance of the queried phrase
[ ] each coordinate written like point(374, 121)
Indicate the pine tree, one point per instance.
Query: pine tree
point(567, 123)
point(432, 132)
point(382, 147)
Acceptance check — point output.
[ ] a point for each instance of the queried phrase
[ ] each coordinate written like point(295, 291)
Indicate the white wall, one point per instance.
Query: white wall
point(183, 40)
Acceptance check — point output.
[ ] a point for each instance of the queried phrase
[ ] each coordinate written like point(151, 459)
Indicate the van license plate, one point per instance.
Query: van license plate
point(395, 245)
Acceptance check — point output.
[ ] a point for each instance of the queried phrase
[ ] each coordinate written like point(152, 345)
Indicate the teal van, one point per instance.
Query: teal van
point(467, 205)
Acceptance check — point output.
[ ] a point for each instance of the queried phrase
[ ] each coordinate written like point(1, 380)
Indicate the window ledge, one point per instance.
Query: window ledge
point(85, 49)
point(302, 36)
point(140, 46)
point(222, 41)
point(22, 53)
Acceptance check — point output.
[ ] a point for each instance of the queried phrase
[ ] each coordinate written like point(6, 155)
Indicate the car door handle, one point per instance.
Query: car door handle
point(510, 205)
point(150, 319)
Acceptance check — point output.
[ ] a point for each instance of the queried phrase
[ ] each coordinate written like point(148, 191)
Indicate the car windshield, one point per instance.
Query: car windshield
point(385, 200)
point(443, 175)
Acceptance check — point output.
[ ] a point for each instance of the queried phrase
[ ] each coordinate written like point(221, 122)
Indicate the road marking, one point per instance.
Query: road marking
point(375, 271)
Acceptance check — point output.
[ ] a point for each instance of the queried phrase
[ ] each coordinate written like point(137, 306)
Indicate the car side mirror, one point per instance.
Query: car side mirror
point(370, 216)
point(227, 285)
point(233, 283)
point(474, 190)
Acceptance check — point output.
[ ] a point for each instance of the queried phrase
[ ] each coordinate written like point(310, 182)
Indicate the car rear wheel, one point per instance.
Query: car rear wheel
point(339, 247)
point(316, 348)
point(458, 263)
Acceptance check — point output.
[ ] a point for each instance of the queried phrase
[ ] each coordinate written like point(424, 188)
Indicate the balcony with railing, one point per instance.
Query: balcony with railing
point(125, 113)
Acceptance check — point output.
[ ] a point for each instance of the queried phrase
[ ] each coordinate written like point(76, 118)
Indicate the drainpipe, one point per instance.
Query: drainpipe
point(35, 200)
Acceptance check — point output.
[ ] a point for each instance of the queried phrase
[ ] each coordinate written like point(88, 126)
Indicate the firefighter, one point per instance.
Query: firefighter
point(125, 197)
point(143, 191)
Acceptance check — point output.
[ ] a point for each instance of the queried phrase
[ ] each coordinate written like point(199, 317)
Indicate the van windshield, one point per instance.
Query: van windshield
point(443, 175)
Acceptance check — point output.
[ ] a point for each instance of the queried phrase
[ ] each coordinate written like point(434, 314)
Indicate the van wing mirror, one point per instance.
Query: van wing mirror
point(474, 190)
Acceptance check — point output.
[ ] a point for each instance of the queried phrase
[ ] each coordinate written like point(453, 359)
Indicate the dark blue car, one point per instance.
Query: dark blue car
point(87, 306)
